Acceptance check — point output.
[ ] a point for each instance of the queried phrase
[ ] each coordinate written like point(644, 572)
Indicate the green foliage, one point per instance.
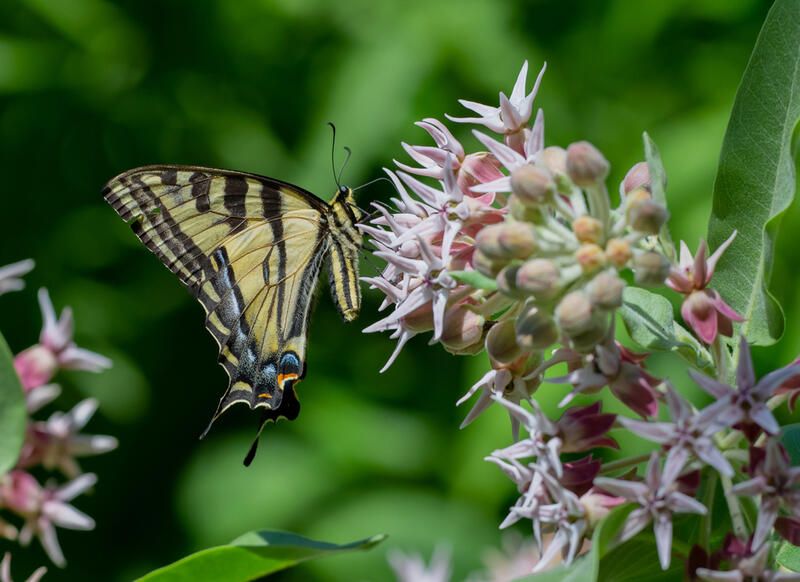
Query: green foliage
point(756, 176)
point(251, 556)
point(12, 410)
point(790, 437)
point(475, 279)
point(788, 556)
point(650, 322)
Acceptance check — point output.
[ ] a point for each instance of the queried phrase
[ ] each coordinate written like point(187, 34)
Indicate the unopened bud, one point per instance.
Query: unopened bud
point(650, 268)
point(605, 290)
point(637, 177)
point(487, 241)
point(517, 240)
point(586, 166)
point(648, 217)
point(554, 159)
point(524, 212)
point(618, 252)
point(574, 314)
point(539, 277)
point(634, 199)
point(507, 281)
point(462, 330)
point(420, 320)
point(590, 257)
point(536, 329)
point(532, 185)
point(501, 342)
point(587, 229)
point(35, 366)
point(485, 265)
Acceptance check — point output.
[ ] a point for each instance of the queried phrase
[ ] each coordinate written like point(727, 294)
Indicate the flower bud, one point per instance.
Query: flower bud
point(484, 265)
point(507, 281)
point(517, 240)
point(536, 329)
point(605, 290)
point(523, 212)
point(532, 185)
point(587, 229)
point(637, 177)
point(574, 314)
point(590, 257)
point(634, 199)
point(539, 277)
point(650, 268)
point(554, 159)
point(35, 366)
point(586, 166)
point(462, 329)
point(421, 319)
point(587, 341)
point(618, 252)
point(488, 241)
point(648, 217)
point(477, 169)
point(501, 342)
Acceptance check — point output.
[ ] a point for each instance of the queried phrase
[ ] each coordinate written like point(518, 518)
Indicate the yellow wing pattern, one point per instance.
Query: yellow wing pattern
point(250, 249)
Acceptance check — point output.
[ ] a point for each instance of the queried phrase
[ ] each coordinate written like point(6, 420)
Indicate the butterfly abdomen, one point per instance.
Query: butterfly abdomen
point(345, 243)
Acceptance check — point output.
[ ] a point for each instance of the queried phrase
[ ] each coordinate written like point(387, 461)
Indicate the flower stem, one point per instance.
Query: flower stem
point(623, 463)
point(599, 205)
point(708, 501)
point(737, 518)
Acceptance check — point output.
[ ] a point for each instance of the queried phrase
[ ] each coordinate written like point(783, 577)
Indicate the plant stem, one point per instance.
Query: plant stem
point(708, 501)
point(623, 463)
point(737, 519)
point(599, 205)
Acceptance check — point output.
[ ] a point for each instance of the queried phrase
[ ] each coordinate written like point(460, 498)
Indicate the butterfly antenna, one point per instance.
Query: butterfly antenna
point(371, 182)
point(349, 152)
point(333, 163)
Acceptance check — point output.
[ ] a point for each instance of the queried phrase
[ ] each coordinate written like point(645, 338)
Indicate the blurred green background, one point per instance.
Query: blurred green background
point(89, 88)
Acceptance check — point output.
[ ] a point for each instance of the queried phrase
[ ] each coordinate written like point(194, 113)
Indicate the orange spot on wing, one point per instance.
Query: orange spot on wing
point(265, 395)
point(286, 377)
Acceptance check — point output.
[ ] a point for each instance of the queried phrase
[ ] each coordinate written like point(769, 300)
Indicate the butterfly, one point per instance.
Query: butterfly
point(250, 249)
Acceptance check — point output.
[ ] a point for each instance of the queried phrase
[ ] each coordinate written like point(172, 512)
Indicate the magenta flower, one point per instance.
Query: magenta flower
point(56, 349)
point(659, 499)
point(746, 404)
point(45, 508)
point(57, 442)
point(11, 275)
point(778, 484)
point(5, 571)
point(703, 309)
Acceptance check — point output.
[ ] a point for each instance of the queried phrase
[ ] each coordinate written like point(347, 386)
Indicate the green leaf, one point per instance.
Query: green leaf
point(650, 322)
point(790, 437)
point(658, 188)
point(12, 410)
point(474, 279)
point(789, 557)
point(755, 180)
point(251, 556)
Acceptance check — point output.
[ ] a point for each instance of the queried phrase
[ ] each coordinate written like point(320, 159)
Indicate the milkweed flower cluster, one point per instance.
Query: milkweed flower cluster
point(53, 444)
point(516, 249)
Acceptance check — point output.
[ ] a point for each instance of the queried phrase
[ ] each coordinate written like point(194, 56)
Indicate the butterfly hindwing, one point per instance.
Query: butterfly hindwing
point(250, 249)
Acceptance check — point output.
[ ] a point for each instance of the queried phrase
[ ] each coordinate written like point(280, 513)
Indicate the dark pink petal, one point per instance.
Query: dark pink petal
point(699, 313)
point(789, 529)
point(699, 271)
point(723, 308)
point(633, 390)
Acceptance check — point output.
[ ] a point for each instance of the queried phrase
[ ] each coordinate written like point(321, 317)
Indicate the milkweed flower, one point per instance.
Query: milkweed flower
point(11, 275)
point(44, 508)
point(412, 568)
point(55, 350)
point(658, 499)
point(703, 308)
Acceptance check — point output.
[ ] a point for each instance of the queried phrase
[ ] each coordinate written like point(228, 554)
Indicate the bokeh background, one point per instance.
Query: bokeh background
point(89, 88)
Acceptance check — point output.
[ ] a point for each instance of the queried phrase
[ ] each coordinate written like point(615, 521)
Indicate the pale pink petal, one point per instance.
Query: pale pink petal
point(663, 533)
point(75, 487)
point(711, 263)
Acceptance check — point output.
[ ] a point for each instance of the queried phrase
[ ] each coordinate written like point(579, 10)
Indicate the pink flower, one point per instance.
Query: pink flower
point(11, 275)
point(55, 350)
point(703, 309)
point(412, 568)
point(45, 508)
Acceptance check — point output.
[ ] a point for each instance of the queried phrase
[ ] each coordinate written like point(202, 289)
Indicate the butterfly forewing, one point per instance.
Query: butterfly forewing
point(250, 249)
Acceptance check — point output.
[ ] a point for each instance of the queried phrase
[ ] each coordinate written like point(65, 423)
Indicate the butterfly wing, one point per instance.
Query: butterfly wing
point(250, 249)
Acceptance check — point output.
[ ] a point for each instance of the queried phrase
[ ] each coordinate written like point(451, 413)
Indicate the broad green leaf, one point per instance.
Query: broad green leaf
point(650, 322)
point(474, 279)
point(755, 180)
point(658, 188)
point(789, 557)
point(251, 556)
point(790, 437)
point(12, 410)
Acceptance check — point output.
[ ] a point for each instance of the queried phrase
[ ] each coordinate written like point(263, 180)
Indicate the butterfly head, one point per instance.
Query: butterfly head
point(346, 201)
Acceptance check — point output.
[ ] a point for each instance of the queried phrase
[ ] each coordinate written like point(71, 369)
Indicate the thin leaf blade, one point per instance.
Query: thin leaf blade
point(12, 410)
point(755, 180)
